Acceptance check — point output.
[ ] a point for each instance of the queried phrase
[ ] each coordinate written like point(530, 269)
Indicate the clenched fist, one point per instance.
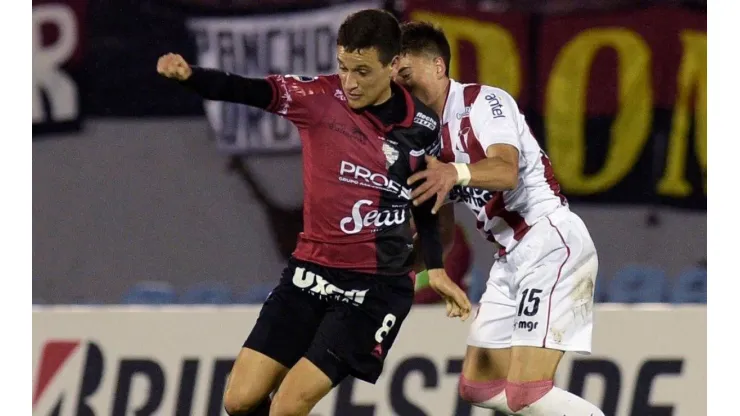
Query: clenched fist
point(173, 66)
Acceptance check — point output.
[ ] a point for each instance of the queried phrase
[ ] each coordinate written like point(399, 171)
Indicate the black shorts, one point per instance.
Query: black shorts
point(342, 321)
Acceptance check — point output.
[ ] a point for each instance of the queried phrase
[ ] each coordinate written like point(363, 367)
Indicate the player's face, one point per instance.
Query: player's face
point(418, 73)
point(365, 80)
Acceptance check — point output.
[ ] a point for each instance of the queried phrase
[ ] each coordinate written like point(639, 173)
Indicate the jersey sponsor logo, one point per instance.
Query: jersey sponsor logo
point(338, 94)
point(424, 120)
point(528, 326)
point(495, 104)
point(474, 197)
point(319, 286)
point(391, 155)
point(465, 113)
point(359, 175)
point(377, 219)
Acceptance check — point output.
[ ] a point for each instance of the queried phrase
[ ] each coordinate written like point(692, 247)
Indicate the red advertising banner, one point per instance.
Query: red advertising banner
point(617, 98)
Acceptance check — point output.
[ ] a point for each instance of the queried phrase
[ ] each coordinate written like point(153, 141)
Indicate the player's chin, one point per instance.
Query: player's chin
point(356, 103)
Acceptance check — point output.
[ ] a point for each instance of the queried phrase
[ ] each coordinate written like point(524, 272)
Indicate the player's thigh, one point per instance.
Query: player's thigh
point(303, 387)
point(283, 332)
point(287, 322)
point(492, 325)
point(253, 377)
point(484, 364)
point(354, 339)
point(533, 363)
point(556, 270)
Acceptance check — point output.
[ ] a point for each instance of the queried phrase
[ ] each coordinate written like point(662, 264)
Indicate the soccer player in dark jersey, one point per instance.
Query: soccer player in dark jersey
point(347, 288)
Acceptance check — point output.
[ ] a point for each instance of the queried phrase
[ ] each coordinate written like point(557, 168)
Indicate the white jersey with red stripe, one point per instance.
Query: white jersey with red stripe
point(476, 117)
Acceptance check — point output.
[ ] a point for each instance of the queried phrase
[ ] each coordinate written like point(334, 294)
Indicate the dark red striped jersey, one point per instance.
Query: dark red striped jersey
point(357, 205)
point(476, 117)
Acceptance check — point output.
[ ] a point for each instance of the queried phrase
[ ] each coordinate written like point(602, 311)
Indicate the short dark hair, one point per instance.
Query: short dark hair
point(425, 37)
point(371, 28)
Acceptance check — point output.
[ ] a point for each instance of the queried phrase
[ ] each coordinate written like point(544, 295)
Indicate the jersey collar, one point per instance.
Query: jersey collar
point(406, 122)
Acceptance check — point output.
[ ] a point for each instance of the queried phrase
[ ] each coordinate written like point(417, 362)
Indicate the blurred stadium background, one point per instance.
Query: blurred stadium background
point(148, 205)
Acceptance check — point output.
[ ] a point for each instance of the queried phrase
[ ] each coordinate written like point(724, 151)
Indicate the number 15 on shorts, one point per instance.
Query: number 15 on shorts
point(530, 303)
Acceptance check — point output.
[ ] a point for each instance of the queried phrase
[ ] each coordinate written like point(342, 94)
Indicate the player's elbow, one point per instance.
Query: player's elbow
point(509, 179)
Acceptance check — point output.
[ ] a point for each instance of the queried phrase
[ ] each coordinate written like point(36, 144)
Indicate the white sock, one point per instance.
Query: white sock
point(497, 402)
point(489, 394)
point(558, 402)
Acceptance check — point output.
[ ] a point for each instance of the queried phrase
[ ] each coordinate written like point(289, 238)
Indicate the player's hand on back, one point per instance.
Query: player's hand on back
point(458, 304)
point(174, 66)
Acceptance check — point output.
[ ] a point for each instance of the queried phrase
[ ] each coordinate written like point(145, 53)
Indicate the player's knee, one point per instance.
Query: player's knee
point(235, 406)
point(290, 403)
point(479, 391)
point(240, 401)
point(522, 394)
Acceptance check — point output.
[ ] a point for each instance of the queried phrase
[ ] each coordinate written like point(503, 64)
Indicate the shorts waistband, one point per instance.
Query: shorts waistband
point(555, 216)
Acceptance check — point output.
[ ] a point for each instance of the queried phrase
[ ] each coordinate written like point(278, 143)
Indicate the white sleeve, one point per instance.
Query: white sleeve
point(495, 118)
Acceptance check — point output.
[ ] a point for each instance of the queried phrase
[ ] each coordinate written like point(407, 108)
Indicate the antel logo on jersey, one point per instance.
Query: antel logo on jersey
point(318, 285)
point(372, 218)
point(360, 175)
point(471, 196)
point(426, 121)
point(74, 377)
point(496, 107)
point(465, 113)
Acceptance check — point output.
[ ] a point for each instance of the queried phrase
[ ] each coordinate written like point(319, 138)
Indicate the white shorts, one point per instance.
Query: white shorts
point(541, 293)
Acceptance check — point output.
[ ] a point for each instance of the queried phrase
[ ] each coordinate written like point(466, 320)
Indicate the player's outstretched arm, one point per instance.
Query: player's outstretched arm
point(216, 85)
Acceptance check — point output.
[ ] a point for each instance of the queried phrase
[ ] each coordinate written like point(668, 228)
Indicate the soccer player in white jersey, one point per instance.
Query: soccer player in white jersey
point(538, 301)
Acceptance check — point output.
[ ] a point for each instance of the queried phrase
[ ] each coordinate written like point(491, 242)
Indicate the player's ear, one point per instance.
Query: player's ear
point(439, 67)
point(395, 63)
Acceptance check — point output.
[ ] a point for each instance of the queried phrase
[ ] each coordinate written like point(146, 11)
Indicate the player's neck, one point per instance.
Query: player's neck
point(439, 100)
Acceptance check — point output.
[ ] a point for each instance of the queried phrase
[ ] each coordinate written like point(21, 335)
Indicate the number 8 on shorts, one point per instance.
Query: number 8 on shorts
point(388, 323)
